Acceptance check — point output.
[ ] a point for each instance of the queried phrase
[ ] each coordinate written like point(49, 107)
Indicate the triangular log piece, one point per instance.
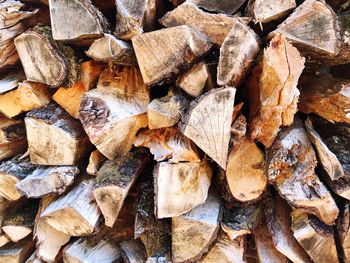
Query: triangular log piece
point(54, 137)
point(85, 23)
point(109, 48)
point(291, 163)
point(189, 183)
point(222, 6)
point(114, 112)
point(114, 181)
point(194, 232)
point(11, 81)
point(315, 237)
point(343, 232)
point(208, 122)
point(164, 54)
point(326, 96)
point(273, 93)
point(17, 252)
point(95, 162)
point(4, 239)
point(75, 213)
point(34, 259)
point(237, 53)
point(133, 251)
point(168, 144)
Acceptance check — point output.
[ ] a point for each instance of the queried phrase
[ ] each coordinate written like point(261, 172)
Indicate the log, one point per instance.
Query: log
point(75, 213)
point(273, 93)
point(164, 54)
point(330, 92)
point(54, 137)
point(34, 259)
point(4, 239)
point(194, 232)
point(343, 233)
point(11, 81)
point(212, 109)
point(237, 53)
point(114, 112)
point(96, 160)
point(114, 181)
point(222, 6)
point(290, 165)
point(84, 24)
point(28, 96)
point(109, 48)
point(64, 67)
point(133, 251)
point(17, 252)
point(315, 237)
point(167, 111)
point(265, 11)
point(189, 14)
point(90, 72)
point(168, 144)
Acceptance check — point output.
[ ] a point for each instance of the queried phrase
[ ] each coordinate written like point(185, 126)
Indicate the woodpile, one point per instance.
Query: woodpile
point(184, 131)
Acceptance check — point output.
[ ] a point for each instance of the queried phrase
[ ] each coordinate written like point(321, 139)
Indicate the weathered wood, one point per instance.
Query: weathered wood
point(273, 93)
point(265, 11)
point(17, 252)
point(95, 162)
point(163, 54)
point(114, 181)
point(315, 237)
point(11, 81)
point(90, 72)
point(208, 121)
point(34, 259)
point(189, 183)
point(4, 239)
point(109, 48)
point(291, 163)
point(114, 112)
point(168, 144)
point(194, 232)
point(222, 6)
point(326, 96)
point(133, 251)
point(54, 137)
point(85, 23)
point(237, 53)
point(343, 233)
point(75, 213)
point(189, 14)
point(168, 110)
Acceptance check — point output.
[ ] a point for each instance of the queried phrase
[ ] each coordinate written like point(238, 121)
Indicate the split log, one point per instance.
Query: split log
point(4, 239)
point(291, 163)
point(163, 54)
point(168, 110)
point(189, 183)
point(17, 252)
point(54, 137)
point(47, 181)
point(326, 96)
point(168, 144)
point(189, 14)
point(90, 72)
point(114, 112)
point(237, 53)
point(109, 48)
point(208, 122)
point(75, 213)
point(194, 232)
point(85, 23)
point(273, 92)
point(114, 181)
point(11, 81)
point(95, 162)
point(266, 11)
point(343, 231)
point(64, 67)
point(28, 96)
point(315, 237)
point(34, 259)
point(222, 6)
point(133, 251)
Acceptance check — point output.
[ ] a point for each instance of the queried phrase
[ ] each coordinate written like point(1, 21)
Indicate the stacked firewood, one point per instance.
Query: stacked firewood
point(174, 131)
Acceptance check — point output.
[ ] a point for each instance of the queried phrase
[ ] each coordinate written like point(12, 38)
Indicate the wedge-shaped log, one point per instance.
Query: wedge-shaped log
point(17, 252)
point(133, 251)
point(194, 232)
point(291, 163)
point(54, 137)
point(47, 180)
point(95, 162)
point(168, 144)
point(343, 231)
point(189, 14)
point(86, 22)
point(114, 181)
point(273, 92)
point(4, 239)
point(75, 213)
point(208, 121)
point(189, 182)
point(28, 96)
point(163, 54)
point(222, 6)
point(34, 259)
point(315, 237)
point(114, 112)
point(237, 53)
point(90, 72)
point(109, 48)
point(11, 81)
point(326, 96)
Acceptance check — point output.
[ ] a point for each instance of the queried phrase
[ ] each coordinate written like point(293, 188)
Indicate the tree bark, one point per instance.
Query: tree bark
point(133, 251)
